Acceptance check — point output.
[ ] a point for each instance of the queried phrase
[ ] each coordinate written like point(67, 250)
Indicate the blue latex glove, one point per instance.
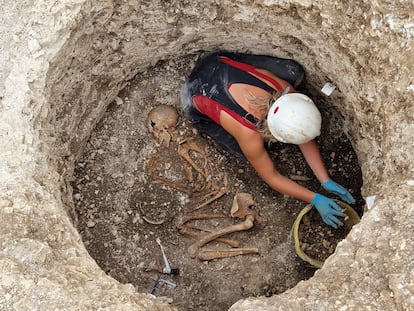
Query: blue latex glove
point(328, 209)
point(338, 190)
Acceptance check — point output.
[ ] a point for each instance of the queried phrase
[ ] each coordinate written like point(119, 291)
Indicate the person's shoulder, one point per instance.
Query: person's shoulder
point(252, 144)
point(235, 128)
point(249, 136)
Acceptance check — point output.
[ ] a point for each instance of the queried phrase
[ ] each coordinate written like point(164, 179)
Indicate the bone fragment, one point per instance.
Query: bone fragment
point(208, 254)
point(241, 207)
point(153, 222)
point(188, 169)
point(232, 243)
point(152, 163)
point(172, 184)
point(245, 225)
point(207, 196)
point(164, 138)
point(218, 195)
point(241, 203)
point(187, 230)
point(184, 153)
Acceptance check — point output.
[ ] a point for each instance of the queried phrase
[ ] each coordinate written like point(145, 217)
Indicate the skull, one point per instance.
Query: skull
point(160, 121)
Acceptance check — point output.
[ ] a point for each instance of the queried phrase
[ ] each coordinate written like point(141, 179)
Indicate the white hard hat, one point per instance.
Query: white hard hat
point(293, 118)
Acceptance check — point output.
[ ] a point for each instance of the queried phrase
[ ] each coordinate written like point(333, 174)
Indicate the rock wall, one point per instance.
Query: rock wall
point(63, 62)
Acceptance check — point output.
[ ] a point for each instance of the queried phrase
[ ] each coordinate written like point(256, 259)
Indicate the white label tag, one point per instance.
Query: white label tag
point(328, 88)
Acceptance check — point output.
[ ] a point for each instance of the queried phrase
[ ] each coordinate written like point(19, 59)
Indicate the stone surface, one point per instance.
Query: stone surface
point(63, 62)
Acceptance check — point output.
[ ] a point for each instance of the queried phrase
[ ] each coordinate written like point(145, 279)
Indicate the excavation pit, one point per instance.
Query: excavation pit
point(66, 62)
point(131, 189)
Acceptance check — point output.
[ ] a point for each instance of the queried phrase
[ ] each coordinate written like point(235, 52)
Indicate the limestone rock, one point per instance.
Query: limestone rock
point(64, 62)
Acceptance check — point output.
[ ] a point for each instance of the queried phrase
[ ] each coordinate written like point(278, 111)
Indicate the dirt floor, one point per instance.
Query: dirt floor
point(130, 190)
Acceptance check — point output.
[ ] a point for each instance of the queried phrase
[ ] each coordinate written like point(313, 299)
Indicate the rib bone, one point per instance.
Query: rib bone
point(217, 194)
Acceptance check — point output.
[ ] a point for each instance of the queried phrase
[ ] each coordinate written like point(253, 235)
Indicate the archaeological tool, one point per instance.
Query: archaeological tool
point(154, 288)
point(166, 282)
point(166, 269)
point(158, 280)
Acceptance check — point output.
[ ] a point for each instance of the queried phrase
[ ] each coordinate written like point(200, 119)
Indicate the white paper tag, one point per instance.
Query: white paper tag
point(328, 88)
point(370, 201)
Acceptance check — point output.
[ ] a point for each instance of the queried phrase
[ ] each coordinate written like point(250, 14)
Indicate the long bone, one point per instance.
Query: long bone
point(245, 225)
point(209, 254)
point(183, 151)
point(192, 233)
point(189, 231)
point(240, 209)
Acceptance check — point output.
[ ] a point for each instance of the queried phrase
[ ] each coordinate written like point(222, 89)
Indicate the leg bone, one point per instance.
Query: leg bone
point(190, 232)
point(209, 254)
point(245, 225)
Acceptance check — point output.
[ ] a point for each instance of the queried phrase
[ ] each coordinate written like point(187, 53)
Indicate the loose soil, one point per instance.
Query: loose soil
point(130, 190)
point(318, 240)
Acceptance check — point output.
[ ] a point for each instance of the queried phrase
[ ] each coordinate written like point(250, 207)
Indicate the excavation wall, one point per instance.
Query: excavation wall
point(64, 62)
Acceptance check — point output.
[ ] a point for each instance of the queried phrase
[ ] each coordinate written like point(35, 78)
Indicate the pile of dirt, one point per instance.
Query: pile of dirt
point(317, 240)
point(130, 190)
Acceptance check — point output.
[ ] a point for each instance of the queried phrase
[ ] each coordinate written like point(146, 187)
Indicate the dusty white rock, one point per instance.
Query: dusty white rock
point(54, 89)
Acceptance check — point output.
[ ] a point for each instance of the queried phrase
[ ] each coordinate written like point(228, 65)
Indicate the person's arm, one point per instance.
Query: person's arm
point(252, 145)
point(258, 157)
point(313, 157)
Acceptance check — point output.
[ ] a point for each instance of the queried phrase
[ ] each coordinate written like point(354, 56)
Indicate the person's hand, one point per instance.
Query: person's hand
point(328, 209)
point(338, 190)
